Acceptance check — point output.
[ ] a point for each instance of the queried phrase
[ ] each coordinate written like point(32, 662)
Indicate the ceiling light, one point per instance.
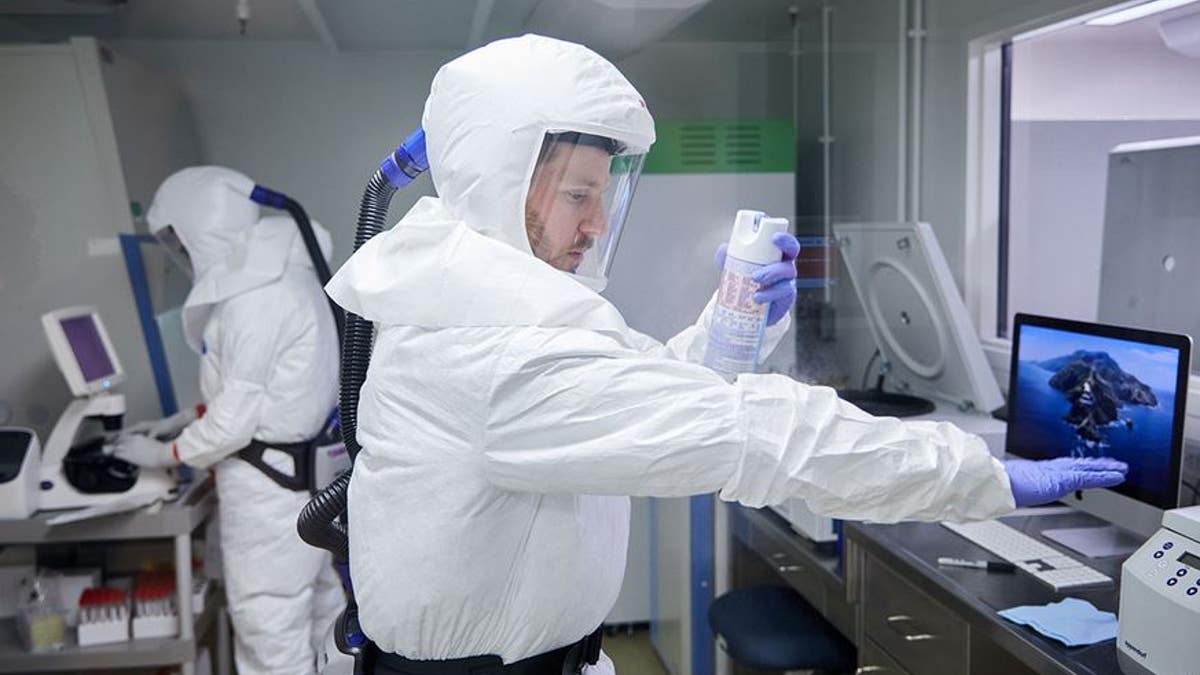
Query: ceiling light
point(1136, 12)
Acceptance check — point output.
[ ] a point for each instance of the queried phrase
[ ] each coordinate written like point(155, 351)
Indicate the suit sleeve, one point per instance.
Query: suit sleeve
point(569, 412)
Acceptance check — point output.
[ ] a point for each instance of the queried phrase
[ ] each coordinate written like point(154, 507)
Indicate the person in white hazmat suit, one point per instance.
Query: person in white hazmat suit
point(268, 372)
point(509, 411)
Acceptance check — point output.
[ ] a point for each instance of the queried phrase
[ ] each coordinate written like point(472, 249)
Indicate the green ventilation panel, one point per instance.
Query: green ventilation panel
point(722, 146)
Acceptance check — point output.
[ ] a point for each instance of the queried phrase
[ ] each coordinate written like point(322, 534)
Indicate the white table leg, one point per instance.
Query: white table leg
point(183, 588)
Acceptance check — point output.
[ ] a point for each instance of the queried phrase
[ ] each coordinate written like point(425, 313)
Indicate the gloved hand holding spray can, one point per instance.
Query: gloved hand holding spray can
point(735, 334)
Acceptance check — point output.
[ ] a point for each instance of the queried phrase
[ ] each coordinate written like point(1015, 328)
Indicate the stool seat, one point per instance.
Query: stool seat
point(773, 628)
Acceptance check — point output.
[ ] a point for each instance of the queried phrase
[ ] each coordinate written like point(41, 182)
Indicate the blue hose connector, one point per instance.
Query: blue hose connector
point(408, 161)
point(268, 197)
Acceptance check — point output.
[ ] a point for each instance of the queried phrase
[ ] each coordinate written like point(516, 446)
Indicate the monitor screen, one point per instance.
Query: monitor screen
point(87, 346)
point(1083, 390)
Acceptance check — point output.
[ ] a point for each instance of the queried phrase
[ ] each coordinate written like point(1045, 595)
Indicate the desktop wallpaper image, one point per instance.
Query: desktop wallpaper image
point(1090, 396)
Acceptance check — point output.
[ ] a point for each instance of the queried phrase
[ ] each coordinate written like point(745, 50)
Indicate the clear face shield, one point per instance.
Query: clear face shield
point(579, 196)
point(175, 249)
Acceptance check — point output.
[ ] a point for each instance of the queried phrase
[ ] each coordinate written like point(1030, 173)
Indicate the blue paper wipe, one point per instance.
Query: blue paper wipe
point(1073, 622)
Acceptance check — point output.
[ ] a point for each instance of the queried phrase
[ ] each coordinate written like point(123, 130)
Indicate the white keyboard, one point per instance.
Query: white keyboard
point(1047, 565)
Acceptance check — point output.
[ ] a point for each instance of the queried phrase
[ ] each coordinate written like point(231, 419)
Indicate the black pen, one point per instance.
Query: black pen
point(988, 565)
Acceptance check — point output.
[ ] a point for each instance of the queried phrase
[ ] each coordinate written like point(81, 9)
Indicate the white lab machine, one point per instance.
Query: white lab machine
point(74, 470)
point(1160, 599)
point(921, 327)
point(811, 526)
point(19, 456)
point(929, 348)
point(930, 352)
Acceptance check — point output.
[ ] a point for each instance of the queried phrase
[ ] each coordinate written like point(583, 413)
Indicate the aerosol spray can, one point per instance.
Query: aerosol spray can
point(738, 322)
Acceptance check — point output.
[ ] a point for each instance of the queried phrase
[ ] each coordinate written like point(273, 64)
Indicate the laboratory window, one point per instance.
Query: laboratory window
point(1099, 157)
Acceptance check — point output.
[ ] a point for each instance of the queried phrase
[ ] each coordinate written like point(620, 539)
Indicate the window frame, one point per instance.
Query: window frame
point(982, 275)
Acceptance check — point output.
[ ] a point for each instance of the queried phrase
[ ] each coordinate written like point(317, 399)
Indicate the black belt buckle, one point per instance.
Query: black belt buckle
point(573, 663)
point(586, 652)
point(591, 647)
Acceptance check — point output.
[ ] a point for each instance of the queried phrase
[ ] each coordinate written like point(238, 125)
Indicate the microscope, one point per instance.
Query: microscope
point(75, 471)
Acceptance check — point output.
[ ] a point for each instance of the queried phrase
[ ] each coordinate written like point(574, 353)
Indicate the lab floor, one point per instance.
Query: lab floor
point(633, 654)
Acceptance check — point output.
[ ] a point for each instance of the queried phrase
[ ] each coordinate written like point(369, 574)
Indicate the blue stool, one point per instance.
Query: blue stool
point(773, 628)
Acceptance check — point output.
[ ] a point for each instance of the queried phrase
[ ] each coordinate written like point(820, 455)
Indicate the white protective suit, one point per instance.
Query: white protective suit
point(268, 371)
point(509, 410)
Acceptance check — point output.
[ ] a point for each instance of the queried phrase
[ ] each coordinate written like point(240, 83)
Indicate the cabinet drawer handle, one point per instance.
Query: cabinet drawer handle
point(863, 670)
point(895, 620)
point(791, 568)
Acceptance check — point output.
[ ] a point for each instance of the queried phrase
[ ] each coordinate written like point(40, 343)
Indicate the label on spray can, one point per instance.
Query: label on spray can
point(738, 323)
point(735, 333)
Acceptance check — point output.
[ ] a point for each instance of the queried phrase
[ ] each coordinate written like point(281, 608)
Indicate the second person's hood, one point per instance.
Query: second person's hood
point(259, 256)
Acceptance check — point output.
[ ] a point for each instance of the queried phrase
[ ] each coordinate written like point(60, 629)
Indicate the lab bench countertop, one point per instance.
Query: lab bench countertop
point(178, 517)
point(975, 596)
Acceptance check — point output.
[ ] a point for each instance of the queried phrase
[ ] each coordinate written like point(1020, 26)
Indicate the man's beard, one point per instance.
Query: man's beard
point(535, 229)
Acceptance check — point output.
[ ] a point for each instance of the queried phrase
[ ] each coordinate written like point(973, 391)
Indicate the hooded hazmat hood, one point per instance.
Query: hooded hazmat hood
point(466, 253)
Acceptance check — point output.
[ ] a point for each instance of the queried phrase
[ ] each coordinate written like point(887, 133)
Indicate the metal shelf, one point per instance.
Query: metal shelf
point(131, 654)
point(172, 519)
point(175, 521)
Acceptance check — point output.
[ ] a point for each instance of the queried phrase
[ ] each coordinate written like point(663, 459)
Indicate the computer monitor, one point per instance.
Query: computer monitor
point(82, 350)
point(1081, 389)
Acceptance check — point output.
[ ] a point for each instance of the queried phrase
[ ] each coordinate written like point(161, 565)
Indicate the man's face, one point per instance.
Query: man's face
point(564, 212)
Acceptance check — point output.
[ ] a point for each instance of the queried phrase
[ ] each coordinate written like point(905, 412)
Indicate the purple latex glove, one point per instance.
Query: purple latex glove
point(1041, 482)
point(776, 281)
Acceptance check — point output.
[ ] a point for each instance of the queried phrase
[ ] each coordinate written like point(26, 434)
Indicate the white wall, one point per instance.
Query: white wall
point(702, 80)
point(299, 119)
point(315, 124)
point(866, 95)
point(1056, 222)
point(59, 219)
point(1077, 79)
